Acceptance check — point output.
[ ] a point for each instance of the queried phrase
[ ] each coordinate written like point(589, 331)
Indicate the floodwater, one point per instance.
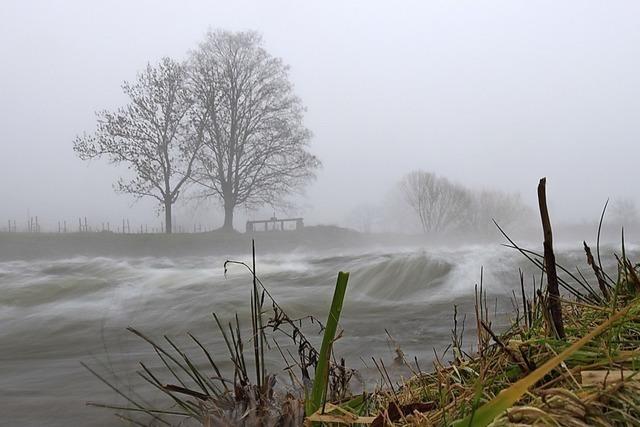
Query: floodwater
point(56, 313)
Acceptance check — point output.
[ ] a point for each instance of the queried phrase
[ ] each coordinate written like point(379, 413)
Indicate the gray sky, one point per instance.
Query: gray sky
point(490, 94)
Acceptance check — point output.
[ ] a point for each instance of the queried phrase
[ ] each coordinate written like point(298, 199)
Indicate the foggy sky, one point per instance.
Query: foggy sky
point(490, 94)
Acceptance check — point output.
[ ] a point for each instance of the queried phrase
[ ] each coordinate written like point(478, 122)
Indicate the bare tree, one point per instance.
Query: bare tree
point(364, 217)
point(153, 135)
point(254, 141)
point(624, 212)
point(439, 204)
point(502, 207)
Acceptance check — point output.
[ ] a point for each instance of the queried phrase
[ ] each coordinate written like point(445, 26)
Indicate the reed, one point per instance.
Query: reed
point(201, 391)
point(321, 381)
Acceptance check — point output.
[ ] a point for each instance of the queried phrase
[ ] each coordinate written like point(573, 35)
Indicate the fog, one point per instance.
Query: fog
point(489, 94)
point(430, 119)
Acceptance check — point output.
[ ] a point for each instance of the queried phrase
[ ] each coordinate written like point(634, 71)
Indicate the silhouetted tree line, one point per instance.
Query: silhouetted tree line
point(441, 205)
point(224, 123)
point(434, 204)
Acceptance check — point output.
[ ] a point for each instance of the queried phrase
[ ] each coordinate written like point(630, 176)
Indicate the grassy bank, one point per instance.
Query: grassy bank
point(25, 246)
point(529, 376)
point(14, 246)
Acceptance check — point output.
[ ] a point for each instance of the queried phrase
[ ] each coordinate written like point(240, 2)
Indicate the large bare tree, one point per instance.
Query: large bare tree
point(154, 135)
point(254, 141)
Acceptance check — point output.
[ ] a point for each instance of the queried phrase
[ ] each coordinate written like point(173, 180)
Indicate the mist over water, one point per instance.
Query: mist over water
point(56, 313)
point(381, 139)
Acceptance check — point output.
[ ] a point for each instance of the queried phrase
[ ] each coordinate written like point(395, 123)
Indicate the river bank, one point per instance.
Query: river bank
point(26, 246)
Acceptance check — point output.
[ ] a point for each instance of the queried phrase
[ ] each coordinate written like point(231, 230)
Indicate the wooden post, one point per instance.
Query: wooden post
point(555, 307)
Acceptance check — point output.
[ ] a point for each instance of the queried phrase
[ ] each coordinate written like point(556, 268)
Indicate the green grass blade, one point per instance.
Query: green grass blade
point(315, 401)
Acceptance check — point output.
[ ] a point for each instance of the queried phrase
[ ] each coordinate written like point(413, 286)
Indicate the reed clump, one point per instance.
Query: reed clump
point(198, 392)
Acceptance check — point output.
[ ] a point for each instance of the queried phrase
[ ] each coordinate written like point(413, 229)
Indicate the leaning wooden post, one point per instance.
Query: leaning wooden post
point(555, 307)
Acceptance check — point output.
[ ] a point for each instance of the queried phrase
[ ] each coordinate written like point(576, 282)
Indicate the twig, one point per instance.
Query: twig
point(550, 262)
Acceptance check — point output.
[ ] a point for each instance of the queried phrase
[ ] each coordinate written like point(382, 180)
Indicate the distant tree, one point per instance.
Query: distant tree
point(439, 204)
point(364, 217)
point(254, 140)
point(624, 212)
point(153, 135)
point(502, 207)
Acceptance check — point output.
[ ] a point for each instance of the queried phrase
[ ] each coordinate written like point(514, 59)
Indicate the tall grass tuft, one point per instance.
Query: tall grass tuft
point(198, 390)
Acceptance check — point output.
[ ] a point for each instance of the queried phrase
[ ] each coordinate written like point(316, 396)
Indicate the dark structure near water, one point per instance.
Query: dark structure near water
point(273, 224)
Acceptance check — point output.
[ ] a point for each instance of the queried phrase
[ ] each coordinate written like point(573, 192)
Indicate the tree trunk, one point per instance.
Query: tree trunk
point(167, 217)
point(228, 216)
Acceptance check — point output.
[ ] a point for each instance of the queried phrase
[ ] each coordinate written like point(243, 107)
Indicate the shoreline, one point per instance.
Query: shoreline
point(28, 246)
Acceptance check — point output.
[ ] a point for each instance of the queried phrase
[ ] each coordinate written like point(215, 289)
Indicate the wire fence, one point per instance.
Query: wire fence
point(84, 225)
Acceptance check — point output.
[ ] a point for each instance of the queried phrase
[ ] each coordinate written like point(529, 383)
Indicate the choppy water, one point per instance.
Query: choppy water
point(56, 313)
